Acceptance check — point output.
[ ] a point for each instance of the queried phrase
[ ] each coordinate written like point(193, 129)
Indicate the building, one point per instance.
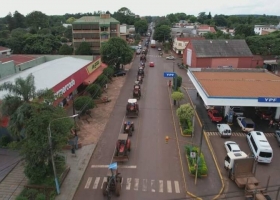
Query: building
point(217, 54)
point(267, 31)
point(5, 51)
point(95, 30)
point(228, 31)
point(202, 29)
point(258, 28)
point(180, 43)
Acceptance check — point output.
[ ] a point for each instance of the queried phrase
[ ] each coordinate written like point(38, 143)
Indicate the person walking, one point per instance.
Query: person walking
point(270, 123)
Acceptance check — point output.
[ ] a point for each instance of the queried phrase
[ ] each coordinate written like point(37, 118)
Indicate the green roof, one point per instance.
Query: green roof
point(95, 19)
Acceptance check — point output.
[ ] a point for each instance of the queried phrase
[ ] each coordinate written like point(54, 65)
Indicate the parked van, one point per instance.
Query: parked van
point(260, 147)
point(224, 130)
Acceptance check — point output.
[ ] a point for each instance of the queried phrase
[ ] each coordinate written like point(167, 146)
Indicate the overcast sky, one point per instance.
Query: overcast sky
point(143, 7)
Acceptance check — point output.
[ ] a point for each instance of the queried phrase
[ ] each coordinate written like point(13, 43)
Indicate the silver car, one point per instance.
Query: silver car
point(232, 147)
point(170, 58)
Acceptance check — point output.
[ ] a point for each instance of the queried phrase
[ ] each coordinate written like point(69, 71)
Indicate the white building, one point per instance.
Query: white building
point(258, 28)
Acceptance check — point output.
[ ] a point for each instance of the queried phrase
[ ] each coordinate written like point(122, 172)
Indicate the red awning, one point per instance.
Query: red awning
point(94, 75)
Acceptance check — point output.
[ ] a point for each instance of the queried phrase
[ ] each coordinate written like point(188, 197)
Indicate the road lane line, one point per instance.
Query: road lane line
point(95, 184)
point(104, 180)
point(177, 187)
point(169, 187)
point(128, 183)
point(153, 186)
point(88, 182)
point(160, 186)
point(119, 166)
point(145, 186)
point(136, 183)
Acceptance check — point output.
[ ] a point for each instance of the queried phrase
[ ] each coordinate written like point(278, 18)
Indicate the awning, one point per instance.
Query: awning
point(94, 75)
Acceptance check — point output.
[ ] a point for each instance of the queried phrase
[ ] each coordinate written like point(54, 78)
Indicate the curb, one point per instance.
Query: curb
point(183, 133)
point(211, 149)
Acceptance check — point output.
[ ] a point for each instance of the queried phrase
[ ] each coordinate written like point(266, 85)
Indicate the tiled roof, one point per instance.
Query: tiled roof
point(239, 84)
point(4, 49)
point(221, 48)
point(212, 30)
point(18, 59)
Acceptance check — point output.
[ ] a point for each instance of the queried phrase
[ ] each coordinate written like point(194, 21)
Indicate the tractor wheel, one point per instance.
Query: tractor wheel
point(118, 189)
point(104, 188)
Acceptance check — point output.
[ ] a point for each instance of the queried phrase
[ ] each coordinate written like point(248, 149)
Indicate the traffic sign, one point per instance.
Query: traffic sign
point(169, 74)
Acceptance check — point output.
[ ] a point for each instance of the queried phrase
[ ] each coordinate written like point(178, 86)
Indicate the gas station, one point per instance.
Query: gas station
point(237, 87)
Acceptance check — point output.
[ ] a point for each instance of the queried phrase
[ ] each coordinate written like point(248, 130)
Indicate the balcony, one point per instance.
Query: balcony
point(86, 40)
point(86, 31)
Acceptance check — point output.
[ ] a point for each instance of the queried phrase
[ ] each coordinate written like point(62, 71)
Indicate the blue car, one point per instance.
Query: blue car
point(120, 73)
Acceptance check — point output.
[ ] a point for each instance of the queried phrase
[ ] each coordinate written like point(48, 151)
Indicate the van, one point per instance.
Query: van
point(259, 146)
point(224, 130)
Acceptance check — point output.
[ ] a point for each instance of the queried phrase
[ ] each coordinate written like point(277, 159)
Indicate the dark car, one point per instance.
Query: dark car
point(277, 136)
point(120, 73)
point(264, 114)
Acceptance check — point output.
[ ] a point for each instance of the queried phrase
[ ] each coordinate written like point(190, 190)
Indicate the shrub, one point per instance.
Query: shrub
point(187, 128)
point(102, 80)
point(202, 167)
point(94, 90)
point(109, 72)
point(83, 103)
point(5, 140)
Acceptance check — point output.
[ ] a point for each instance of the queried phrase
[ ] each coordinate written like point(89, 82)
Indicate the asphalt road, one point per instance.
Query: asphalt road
point(153, 170)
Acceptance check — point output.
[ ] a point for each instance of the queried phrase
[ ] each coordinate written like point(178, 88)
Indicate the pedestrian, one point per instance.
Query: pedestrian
point(270, 123)
point(73, 151)
point(169, 83)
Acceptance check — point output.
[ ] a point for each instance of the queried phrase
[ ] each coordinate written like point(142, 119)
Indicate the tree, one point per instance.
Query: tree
point(102, 80)
point(37, 20)
point(44, 31)
point(16, 41)
point(68, 33)
point(179, 81)
point(83, 49)
point(58, 30)
point(162, 33)
point(141, 26)
point(94, 90)
point(10, 21)
point(70, 20)
point(192, 19)
point(83, 104)
point(202, 17)
point(19, 20)
point(244, 29)
point(181, 16)
point(220, 20)
point(177, 96)
point(162, 21)
point(185, 113)
point(65, 50)
point(109, 72)
point(116, 52)
point(172, 18)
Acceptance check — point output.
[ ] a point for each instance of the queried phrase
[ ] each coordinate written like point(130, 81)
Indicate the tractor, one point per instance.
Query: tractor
point(128, 127)
point(143, 58)
point(122, 148)
point(136, 91)
point(139, 79)
point(113, 182)
point(141, 72)
point(132, 108)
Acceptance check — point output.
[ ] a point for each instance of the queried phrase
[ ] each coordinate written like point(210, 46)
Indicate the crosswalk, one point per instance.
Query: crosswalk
point(136, 184)
point(238, 134)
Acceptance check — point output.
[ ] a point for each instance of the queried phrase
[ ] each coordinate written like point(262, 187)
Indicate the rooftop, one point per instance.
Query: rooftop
point(4, 49)
point(238, 83)
point(49, 74)
point(18, 59)
point(95, 19)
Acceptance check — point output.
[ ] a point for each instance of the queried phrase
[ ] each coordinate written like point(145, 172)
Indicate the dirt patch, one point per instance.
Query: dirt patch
point(91, 128)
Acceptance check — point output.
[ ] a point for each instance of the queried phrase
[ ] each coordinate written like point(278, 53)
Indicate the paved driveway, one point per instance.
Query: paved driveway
point(8, 160)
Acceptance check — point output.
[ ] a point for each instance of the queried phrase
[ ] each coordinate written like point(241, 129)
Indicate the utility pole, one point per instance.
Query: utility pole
point(199, 152)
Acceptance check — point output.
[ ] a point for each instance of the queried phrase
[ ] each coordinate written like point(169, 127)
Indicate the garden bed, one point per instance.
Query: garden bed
point(192, 162)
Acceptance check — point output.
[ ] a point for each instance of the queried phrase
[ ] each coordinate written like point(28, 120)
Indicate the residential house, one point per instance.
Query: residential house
point(5, 51)
point(202, 29)
point(183, 32)
point(218, 54)
point(95, 30)
point(267, 31)
point(258, 28)
point(228, 31)
point(180, 43)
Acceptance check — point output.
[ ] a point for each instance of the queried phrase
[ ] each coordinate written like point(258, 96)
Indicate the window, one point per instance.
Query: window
point(104, 28)
point(254, 144)
point(250, 125)
point(104, 37)
point(265, 154)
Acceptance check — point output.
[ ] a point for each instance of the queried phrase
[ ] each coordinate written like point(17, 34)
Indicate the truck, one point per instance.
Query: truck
point(224, 130)
point(241, 169)
point(153, 43)
point(246, 124)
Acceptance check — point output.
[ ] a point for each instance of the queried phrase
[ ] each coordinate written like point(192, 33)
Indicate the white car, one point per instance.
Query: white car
point(170, 58)
point(232, 147)
point(159, 49)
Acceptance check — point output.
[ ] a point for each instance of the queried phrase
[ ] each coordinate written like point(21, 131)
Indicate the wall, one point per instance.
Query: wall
point(7, 69)
point(245, 62)
point(257, 63)
point(203, 62)
point(224, 62)
point(31, 63)
point(53, 57)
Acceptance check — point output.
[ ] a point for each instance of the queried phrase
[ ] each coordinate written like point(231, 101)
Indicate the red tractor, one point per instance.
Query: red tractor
point(143, 58)
point(132, 108)
point(136, 91)
point(139, 79)
point(128, 127)
point(141, 72)
point(123, 147)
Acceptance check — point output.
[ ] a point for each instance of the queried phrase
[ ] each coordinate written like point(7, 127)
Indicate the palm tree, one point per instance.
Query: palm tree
point(16, 104)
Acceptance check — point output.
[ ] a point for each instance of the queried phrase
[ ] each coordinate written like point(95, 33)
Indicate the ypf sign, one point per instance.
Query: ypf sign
point(268, 100)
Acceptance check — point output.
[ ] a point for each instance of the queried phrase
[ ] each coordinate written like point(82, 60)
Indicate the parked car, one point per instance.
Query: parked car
point(170, 58)
point(215, 115)
point(264, 114)
point(209, 107)
point(232, 147)
point(159, 49)
point(120, 73)
point(277, 136)
point(152, 64)
point(224, 130)
point(246, 124)
point(238, 111)
point(138, 51)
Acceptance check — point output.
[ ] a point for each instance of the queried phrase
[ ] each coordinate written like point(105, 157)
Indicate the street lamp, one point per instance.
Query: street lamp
point(51, 150)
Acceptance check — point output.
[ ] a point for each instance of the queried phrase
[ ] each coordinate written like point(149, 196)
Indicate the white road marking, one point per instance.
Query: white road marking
point(95, 184)
point(120, 166)
point(88, 182)
point(153, 186)
point(177, 187)
point(145, 186)
point(104, 180)
point(160, 185)
point(169, 187)
point(136, 183)
point(128, 183)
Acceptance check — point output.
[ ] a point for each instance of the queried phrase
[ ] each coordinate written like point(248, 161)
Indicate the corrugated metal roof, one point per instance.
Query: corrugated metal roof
point(221, 48)
point(95, 19)
point(49, 74)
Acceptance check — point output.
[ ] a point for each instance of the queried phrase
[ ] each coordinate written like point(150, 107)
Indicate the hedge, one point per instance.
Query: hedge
point(189, 129)
point(202, 167)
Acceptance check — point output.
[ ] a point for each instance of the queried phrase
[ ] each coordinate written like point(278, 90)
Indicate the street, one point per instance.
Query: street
point(153, 170)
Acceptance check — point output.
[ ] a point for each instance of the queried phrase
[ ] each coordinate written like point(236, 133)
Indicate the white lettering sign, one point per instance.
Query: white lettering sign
point(65, 88)
point(170, 75)
point(270, 99)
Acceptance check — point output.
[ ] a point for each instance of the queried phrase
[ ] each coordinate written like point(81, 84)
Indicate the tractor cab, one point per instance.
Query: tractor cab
point(128, 128)
point(113, 181)
point(132, 108)
point(141, 72)
point(123, 145)
point(139, 79)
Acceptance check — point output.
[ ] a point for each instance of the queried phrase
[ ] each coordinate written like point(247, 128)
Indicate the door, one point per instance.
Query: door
point(189, 57)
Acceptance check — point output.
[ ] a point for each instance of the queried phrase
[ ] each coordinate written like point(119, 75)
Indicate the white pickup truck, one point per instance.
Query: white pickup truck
point(224, 130)
point(246, 124)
